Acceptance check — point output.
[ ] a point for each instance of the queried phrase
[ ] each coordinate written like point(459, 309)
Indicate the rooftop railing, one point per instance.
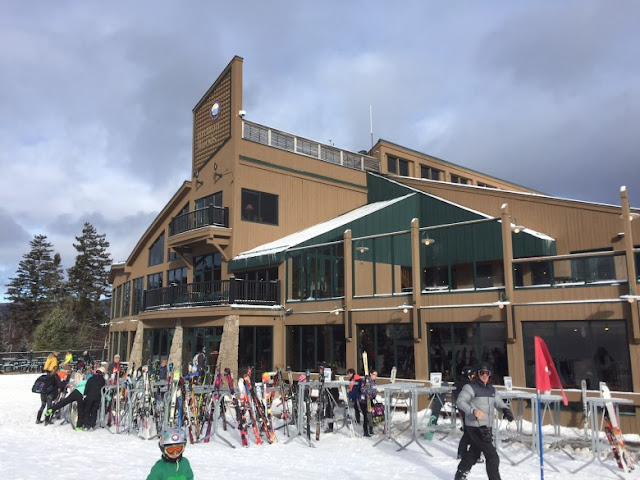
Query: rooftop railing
point(285, 141)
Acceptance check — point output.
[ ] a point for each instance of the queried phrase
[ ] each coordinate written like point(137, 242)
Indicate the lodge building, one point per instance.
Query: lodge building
point(283, 251)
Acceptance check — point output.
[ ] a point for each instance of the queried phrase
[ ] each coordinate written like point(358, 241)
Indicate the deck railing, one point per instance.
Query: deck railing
point(202, 217)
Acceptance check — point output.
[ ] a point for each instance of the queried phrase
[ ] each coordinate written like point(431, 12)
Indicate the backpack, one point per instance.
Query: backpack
point(40, 384)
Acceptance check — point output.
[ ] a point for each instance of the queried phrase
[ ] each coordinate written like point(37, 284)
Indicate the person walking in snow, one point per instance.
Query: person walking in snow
point(478, 400)
point(172, 465)
point(468, 374)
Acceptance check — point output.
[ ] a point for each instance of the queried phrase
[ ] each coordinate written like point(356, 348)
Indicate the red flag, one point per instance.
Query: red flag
point(546, 374)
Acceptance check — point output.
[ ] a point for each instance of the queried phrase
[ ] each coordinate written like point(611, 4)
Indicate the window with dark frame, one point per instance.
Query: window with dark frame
point(259, 207)
point(156, 251)
point(429, 173)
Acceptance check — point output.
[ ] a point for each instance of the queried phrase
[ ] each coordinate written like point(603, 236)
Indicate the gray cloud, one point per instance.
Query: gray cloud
point(97, 101)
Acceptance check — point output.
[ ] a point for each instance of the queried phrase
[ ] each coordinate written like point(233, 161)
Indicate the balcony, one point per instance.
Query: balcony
point(220, 292)
point(204, 217)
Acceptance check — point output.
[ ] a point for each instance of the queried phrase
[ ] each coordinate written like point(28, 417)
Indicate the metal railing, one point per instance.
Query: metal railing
point(285, 141)
point(219, 292)
point(202, 217)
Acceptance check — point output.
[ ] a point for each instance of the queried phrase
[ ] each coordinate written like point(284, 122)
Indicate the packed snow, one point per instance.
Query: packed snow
point(30, 451)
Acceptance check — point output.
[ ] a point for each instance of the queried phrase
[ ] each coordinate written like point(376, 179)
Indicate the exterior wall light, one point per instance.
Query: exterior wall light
point(428, 241)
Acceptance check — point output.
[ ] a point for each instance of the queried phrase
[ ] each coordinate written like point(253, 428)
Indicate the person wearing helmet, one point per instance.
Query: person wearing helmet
point(92, 397)
point(172, 465)
point(478, 400)
point(468, 374)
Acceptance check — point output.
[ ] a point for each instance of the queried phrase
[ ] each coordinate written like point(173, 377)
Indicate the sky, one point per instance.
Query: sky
point(97, 99)
point(57, 452)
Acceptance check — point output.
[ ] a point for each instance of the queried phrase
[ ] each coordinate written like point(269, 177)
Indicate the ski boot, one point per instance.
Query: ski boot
point(48, 419)
point(460, 475)
point(433, 420)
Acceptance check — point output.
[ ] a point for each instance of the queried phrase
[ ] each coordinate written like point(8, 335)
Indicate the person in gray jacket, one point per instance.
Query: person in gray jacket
point(478, 400)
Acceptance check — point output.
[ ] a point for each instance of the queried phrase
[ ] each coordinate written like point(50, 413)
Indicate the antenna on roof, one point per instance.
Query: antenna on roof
point(371, 123)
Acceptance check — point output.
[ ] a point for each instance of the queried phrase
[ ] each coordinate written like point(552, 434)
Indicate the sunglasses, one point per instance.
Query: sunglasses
point(174, 449)
point(484, 372)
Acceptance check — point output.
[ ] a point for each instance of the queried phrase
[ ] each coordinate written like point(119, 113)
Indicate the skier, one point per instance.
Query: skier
point(354, 392)
point(49, 391)
point(477, 400)
point(115, 365)
point(172, 465)
point(368, 393)
point(198, 363)
point(66, 362)
point(92, 397)
point(469, 374)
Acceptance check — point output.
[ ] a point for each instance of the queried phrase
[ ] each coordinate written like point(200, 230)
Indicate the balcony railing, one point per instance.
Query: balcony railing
point(220, 292)
point(202, 217)
point(291, 143)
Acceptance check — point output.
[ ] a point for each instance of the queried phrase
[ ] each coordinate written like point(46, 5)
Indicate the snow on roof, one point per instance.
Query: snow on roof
point(297, 238)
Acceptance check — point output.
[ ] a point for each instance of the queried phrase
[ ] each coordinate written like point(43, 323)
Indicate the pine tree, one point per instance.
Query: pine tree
point(34, 290)
point(89, 278)
point(57, 330)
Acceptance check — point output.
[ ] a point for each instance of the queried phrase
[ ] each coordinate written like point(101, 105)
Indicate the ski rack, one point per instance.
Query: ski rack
point(389, 389)
point(596, 423)
point(348, 416)
point(303, 388)
point(217, 409)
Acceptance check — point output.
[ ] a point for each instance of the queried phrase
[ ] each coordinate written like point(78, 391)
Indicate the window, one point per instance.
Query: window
point(398, 166)
point(459, 179)
point(455, 345)
point(308, 345)
point(177, 276)
point(388, 346)
point(255, 349)
point(593, 269)
point(154, 280)
point(485, 185)
point(127, 299)
point(156, 251)
point(259, 207)
point(207, 268)
point(595, 351)
point(430, 173)
point(484, 275)
point(138, 294)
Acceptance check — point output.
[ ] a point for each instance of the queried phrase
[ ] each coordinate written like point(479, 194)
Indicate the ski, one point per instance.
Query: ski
point(259, 408)
point(585, 408)
point(366, 388)
point(320, 402)
point(242, 424)
point(613, 433)
point(246, 404)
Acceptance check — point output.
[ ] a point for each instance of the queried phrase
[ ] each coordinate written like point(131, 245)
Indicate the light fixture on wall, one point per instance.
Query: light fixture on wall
point(515, 228)
point(361, 248)
point(216, 175)
point(404, 307)
point(428, 241)
point(336, 311)
point(632, 216)
point(503, 301)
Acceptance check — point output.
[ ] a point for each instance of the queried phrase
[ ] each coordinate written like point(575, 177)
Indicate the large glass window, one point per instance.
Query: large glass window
point(255, 350)
point(595, 351)
point(156, 343)
point(177, 276)
point(387, 345)
point(126, 301)
point(154, 280)
point(594, 269)
point(316, 273)
point(261, 275)
point(259, 207)
point(138, 294)
point(459, 179)
point(207, 268)
point(156, 251)
point(308, 345)
point(453, 346)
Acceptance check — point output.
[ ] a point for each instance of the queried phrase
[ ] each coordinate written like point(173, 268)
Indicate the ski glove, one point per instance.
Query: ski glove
point(507, 414)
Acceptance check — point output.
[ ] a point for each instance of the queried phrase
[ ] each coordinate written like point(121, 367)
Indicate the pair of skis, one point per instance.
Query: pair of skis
point(613, 433)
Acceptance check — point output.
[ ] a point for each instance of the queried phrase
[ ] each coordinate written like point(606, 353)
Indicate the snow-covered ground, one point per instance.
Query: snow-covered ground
point(30, 451)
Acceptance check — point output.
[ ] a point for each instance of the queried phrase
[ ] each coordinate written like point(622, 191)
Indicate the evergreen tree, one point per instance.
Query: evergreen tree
point(89, 278)
point(33, 291)
point(57, 330)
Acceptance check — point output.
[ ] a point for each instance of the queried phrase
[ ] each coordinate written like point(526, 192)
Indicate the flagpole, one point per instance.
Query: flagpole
point(540, 437)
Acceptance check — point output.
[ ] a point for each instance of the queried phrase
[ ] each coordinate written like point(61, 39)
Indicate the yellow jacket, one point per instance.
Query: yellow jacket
point(68, 358)
point(52, 361)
